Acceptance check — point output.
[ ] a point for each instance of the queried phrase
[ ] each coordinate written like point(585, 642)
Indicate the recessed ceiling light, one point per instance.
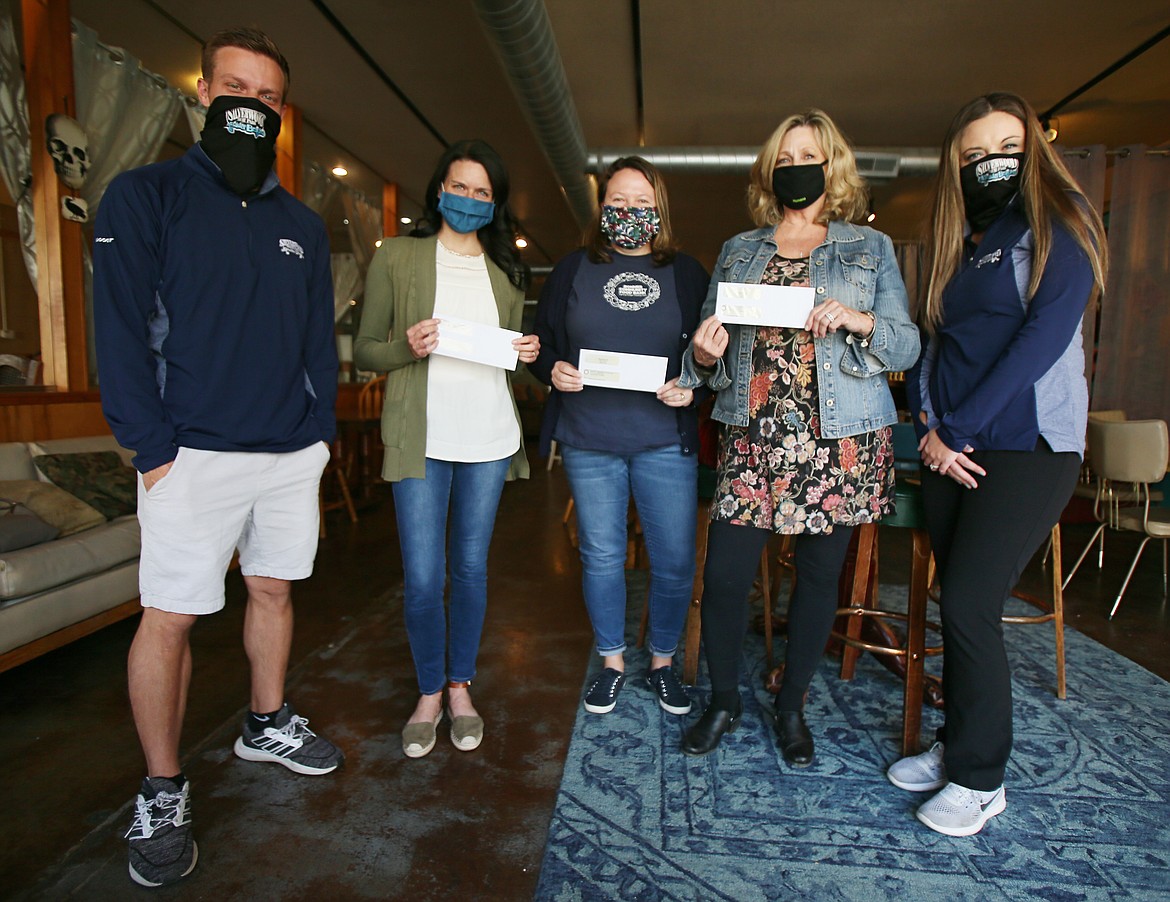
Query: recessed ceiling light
point(405, 220)
point(521, 242)
point(340, 171)
point(378, 243)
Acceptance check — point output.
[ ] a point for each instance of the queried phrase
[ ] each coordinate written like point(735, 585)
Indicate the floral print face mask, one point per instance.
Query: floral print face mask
point(629, 227)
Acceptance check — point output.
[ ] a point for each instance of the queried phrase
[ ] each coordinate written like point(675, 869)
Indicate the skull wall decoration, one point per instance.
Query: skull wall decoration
point(69, 148)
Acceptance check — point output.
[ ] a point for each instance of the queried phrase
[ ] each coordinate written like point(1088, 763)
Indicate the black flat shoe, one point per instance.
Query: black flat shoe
point(703, 738)
point(796, 742)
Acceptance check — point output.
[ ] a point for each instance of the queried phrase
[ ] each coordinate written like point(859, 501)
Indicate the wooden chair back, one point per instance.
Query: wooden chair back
point(371, 397)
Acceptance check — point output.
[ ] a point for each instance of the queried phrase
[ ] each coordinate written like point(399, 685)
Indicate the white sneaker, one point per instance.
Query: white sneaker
point(959, 811)
point(920, 773)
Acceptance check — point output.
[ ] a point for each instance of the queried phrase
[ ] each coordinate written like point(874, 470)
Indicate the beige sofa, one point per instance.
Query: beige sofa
point(58, 591)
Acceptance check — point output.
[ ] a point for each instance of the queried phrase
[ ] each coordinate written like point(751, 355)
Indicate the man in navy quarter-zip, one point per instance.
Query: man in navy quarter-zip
point(213, 312)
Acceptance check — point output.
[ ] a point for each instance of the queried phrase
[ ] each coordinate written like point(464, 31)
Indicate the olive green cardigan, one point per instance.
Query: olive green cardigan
point(400, 291)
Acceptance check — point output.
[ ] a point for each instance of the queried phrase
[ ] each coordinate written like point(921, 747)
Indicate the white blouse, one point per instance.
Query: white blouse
point(469, 410)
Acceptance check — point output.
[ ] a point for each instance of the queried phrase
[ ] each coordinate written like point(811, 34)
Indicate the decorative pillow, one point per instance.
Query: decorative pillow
point(53, 505)
point(99, 478)
point(20, 527)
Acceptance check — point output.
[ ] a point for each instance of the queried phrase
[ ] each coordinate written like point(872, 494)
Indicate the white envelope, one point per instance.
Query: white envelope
point(477, 342)
point(764, 305)
point(613, 369)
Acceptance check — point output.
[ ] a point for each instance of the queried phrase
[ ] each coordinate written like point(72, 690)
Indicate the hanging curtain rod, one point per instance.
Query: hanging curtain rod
point(1105, 73)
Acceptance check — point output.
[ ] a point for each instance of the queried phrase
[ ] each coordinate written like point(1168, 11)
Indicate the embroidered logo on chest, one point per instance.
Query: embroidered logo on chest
point(993, 257)
point(632, 291)
point(288, 246)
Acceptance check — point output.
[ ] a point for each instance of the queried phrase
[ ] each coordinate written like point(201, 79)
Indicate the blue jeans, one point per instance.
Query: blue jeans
point(665, 486)
point(471, 493)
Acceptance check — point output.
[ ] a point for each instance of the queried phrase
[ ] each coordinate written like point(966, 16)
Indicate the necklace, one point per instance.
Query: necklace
point(457, 254)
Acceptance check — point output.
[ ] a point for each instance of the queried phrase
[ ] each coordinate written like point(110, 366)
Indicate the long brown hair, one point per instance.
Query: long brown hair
point(1047, 190)
point(663, 247)
point(846, 194)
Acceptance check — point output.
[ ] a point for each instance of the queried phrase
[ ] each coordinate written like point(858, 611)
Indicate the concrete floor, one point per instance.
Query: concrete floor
point(463, 825)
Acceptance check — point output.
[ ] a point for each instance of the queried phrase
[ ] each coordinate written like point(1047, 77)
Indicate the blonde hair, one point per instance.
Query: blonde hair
point(846, 194)
point(1047, 190)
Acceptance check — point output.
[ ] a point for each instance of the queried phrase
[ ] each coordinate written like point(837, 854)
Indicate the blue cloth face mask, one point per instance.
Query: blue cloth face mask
point(465, 214)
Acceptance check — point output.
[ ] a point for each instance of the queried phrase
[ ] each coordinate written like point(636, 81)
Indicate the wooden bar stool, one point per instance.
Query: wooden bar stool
point(335, 467)
point(864, 604)
point(694, 625)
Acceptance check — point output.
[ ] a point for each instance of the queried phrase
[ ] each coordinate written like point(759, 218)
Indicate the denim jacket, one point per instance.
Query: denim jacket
point(856, 266)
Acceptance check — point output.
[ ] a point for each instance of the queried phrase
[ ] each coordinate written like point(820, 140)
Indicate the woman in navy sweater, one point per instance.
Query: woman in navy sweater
point(1015, 255)
point(630, 291)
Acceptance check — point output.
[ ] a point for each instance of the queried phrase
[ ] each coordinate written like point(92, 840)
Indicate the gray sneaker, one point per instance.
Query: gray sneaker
point(290, 742)
point(920, 773)
point(162, 849)
point(959, 811)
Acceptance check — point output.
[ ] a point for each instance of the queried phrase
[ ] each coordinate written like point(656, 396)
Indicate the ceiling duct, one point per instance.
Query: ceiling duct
point(877, 165)
point(522, 37)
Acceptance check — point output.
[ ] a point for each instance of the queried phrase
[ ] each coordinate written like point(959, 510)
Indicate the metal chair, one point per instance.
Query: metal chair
point(1094, 487)
point(1134, 453)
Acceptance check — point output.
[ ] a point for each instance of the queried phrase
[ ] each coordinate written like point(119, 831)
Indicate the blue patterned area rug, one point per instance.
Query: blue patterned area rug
point(1088, 793)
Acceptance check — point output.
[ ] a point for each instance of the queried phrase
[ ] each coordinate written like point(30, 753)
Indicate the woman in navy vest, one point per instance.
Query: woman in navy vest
point(1015, 254)
point(630, 291)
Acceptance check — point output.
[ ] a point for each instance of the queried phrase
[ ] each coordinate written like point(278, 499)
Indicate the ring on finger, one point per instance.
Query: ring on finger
point(934, 466)
point(830, 317)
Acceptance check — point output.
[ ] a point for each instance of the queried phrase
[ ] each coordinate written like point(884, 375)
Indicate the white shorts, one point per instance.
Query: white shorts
point(212, 502)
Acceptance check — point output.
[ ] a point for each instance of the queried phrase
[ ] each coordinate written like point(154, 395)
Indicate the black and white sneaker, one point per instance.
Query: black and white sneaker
point(602, 695)
point(162, 849)
point(290, 742)
point(671, 695)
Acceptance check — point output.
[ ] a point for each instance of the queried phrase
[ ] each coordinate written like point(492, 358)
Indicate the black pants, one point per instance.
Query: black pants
point(733, 557)
point(983, 538)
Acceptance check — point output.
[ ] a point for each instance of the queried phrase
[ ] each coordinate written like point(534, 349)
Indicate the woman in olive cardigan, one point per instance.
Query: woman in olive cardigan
point(450, 427)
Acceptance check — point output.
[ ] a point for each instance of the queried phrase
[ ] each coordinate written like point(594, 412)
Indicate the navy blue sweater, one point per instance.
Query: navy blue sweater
point(690, 282)
point(213, 315)
point(1004, 370)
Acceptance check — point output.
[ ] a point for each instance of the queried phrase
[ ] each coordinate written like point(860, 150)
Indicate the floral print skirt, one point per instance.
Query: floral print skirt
point(777, 473)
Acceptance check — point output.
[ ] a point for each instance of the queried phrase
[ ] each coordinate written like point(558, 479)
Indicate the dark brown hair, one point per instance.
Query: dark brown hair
point(663, 247)
point(252, 39)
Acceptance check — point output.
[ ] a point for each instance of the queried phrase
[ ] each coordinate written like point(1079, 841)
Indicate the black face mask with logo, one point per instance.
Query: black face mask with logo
point(797, 187)
point(988, 186)
point(240, 138)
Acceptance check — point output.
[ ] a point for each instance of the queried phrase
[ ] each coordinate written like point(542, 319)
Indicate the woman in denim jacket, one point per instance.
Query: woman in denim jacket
point(805, 449)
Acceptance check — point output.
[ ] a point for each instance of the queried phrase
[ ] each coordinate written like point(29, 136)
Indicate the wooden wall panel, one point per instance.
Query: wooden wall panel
point(30, 419)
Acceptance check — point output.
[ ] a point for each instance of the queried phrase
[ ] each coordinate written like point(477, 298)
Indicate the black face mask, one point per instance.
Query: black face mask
point(797, 187)
point(988, 186)
point(240, 137)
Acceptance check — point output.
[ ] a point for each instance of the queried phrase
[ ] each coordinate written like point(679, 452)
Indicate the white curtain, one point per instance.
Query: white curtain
point(14, 140)
point(347, 283)
point(196, 117)
point(319, 189)
point(126, 111)
point(365, 226)
point(1133, 365)
point(909, 255)
point(1087, 166)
